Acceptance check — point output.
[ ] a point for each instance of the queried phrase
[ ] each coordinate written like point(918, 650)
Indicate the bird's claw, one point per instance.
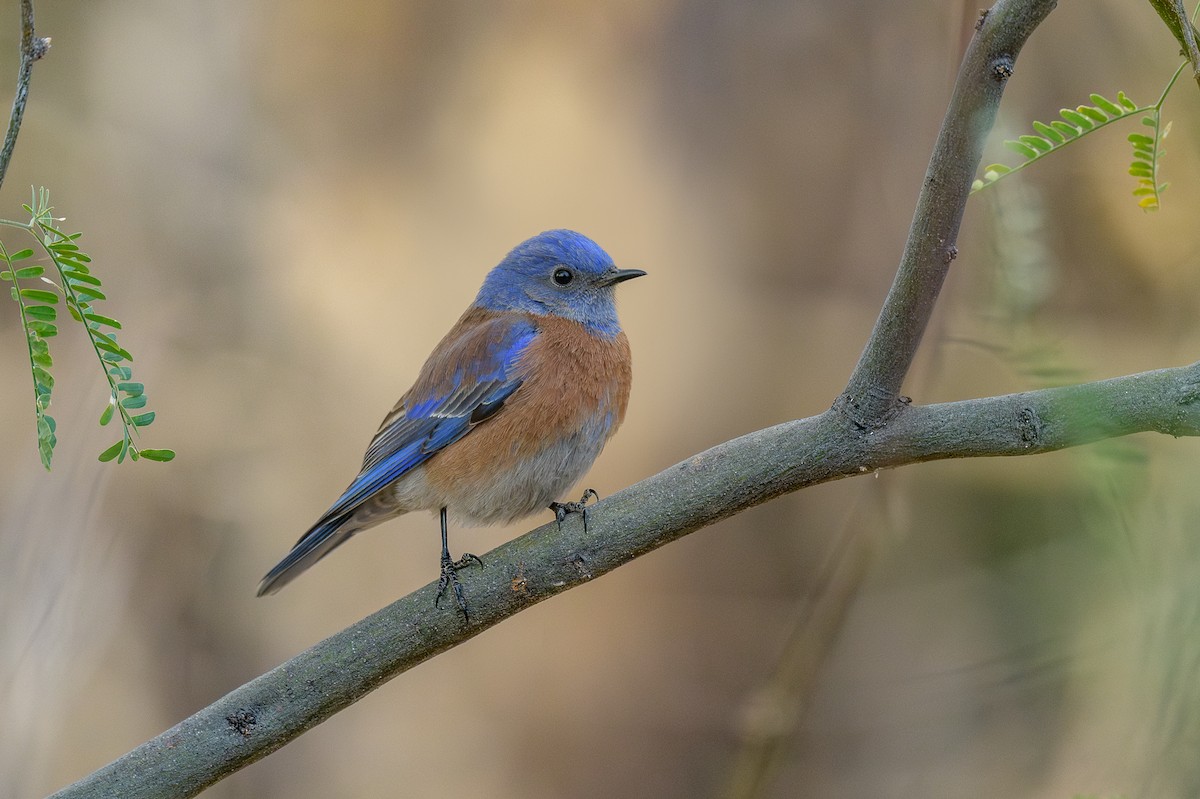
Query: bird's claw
point(449, 579)
point(561, 509)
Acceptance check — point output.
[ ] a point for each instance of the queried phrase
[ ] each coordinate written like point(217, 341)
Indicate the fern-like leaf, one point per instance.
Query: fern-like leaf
point(79, 288)
point(38, 323)
point(1075, 124)
point(1146, 155)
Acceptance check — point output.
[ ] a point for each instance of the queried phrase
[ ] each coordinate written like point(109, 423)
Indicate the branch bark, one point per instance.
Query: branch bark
point(1175, 15)
point(32, 48)
point(869, 427)
point(256, 719)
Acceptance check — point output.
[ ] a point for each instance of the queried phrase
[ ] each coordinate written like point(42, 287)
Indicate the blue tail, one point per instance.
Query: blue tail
point(318, 542)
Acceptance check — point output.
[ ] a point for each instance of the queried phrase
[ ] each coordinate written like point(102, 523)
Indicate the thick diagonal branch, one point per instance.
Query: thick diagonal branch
point(263, 715)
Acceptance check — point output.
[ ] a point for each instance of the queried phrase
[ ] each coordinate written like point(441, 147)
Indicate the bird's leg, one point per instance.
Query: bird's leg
point(450, 569)
point(561, 509)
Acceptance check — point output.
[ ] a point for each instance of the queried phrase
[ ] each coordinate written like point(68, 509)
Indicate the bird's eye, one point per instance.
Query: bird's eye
point(563, 276)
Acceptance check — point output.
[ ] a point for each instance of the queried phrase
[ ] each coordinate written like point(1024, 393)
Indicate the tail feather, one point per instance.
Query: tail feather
point(318, 542)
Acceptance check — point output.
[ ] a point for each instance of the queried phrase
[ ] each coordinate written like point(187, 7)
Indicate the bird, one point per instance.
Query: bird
point(509, 411)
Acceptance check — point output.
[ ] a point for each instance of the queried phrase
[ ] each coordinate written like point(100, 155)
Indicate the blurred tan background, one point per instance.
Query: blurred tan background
point(291, 202)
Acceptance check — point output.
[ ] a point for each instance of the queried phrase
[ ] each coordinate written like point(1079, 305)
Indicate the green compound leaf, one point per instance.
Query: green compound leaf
point(79, 288)
point(1075, 123)
point(38, 327)
point(1145, 163)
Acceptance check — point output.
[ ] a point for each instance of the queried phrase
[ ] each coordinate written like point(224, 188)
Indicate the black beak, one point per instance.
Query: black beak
point(620, 275)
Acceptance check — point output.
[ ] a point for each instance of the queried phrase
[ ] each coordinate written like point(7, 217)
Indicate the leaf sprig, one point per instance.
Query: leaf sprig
point(1073, 125)
point(1146, 155)
point(1086, 119)
point(37, 320)
point(79, 288)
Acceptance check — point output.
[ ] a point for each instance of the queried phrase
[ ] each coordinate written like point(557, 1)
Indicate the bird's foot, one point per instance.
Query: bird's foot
point(449, 579)
point(561, 509)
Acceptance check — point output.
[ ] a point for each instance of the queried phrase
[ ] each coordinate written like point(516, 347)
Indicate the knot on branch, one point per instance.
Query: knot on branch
point(242, 722)
point(1002, 68)
point(579, 562)
point(1185, 422)
point(1190, 394)
point(1029, 427)
point(520, 583)
point(873, 412)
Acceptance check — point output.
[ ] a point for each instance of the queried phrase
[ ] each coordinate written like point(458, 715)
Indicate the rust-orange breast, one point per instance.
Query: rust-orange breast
point(574, 394)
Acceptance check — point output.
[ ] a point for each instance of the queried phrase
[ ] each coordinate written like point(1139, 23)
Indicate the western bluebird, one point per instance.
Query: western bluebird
point(508, 412)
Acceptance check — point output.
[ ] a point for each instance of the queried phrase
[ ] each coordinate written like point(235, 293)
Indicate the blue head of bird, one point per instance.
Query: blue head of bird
point(558, 273)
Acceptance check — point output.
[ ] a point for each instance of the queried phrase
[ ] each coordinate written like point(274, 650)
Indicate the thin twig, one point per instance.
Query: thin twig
point(32, 48)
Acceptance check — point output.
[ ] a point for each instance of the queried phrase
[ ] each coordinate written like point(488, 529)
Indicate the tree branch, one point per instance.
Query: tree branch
point(32, 48)
point(1180, 24)
point(873, 392)
point(263, 715)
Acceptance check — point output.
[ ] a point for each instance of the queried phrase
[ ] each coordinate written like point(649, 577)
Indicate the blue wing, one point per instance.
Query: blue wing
point(466, 380)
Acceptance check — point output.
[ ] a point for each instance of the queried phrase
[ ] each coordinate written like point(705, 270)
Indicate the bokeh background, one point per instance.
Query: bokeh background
point(291, 202)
